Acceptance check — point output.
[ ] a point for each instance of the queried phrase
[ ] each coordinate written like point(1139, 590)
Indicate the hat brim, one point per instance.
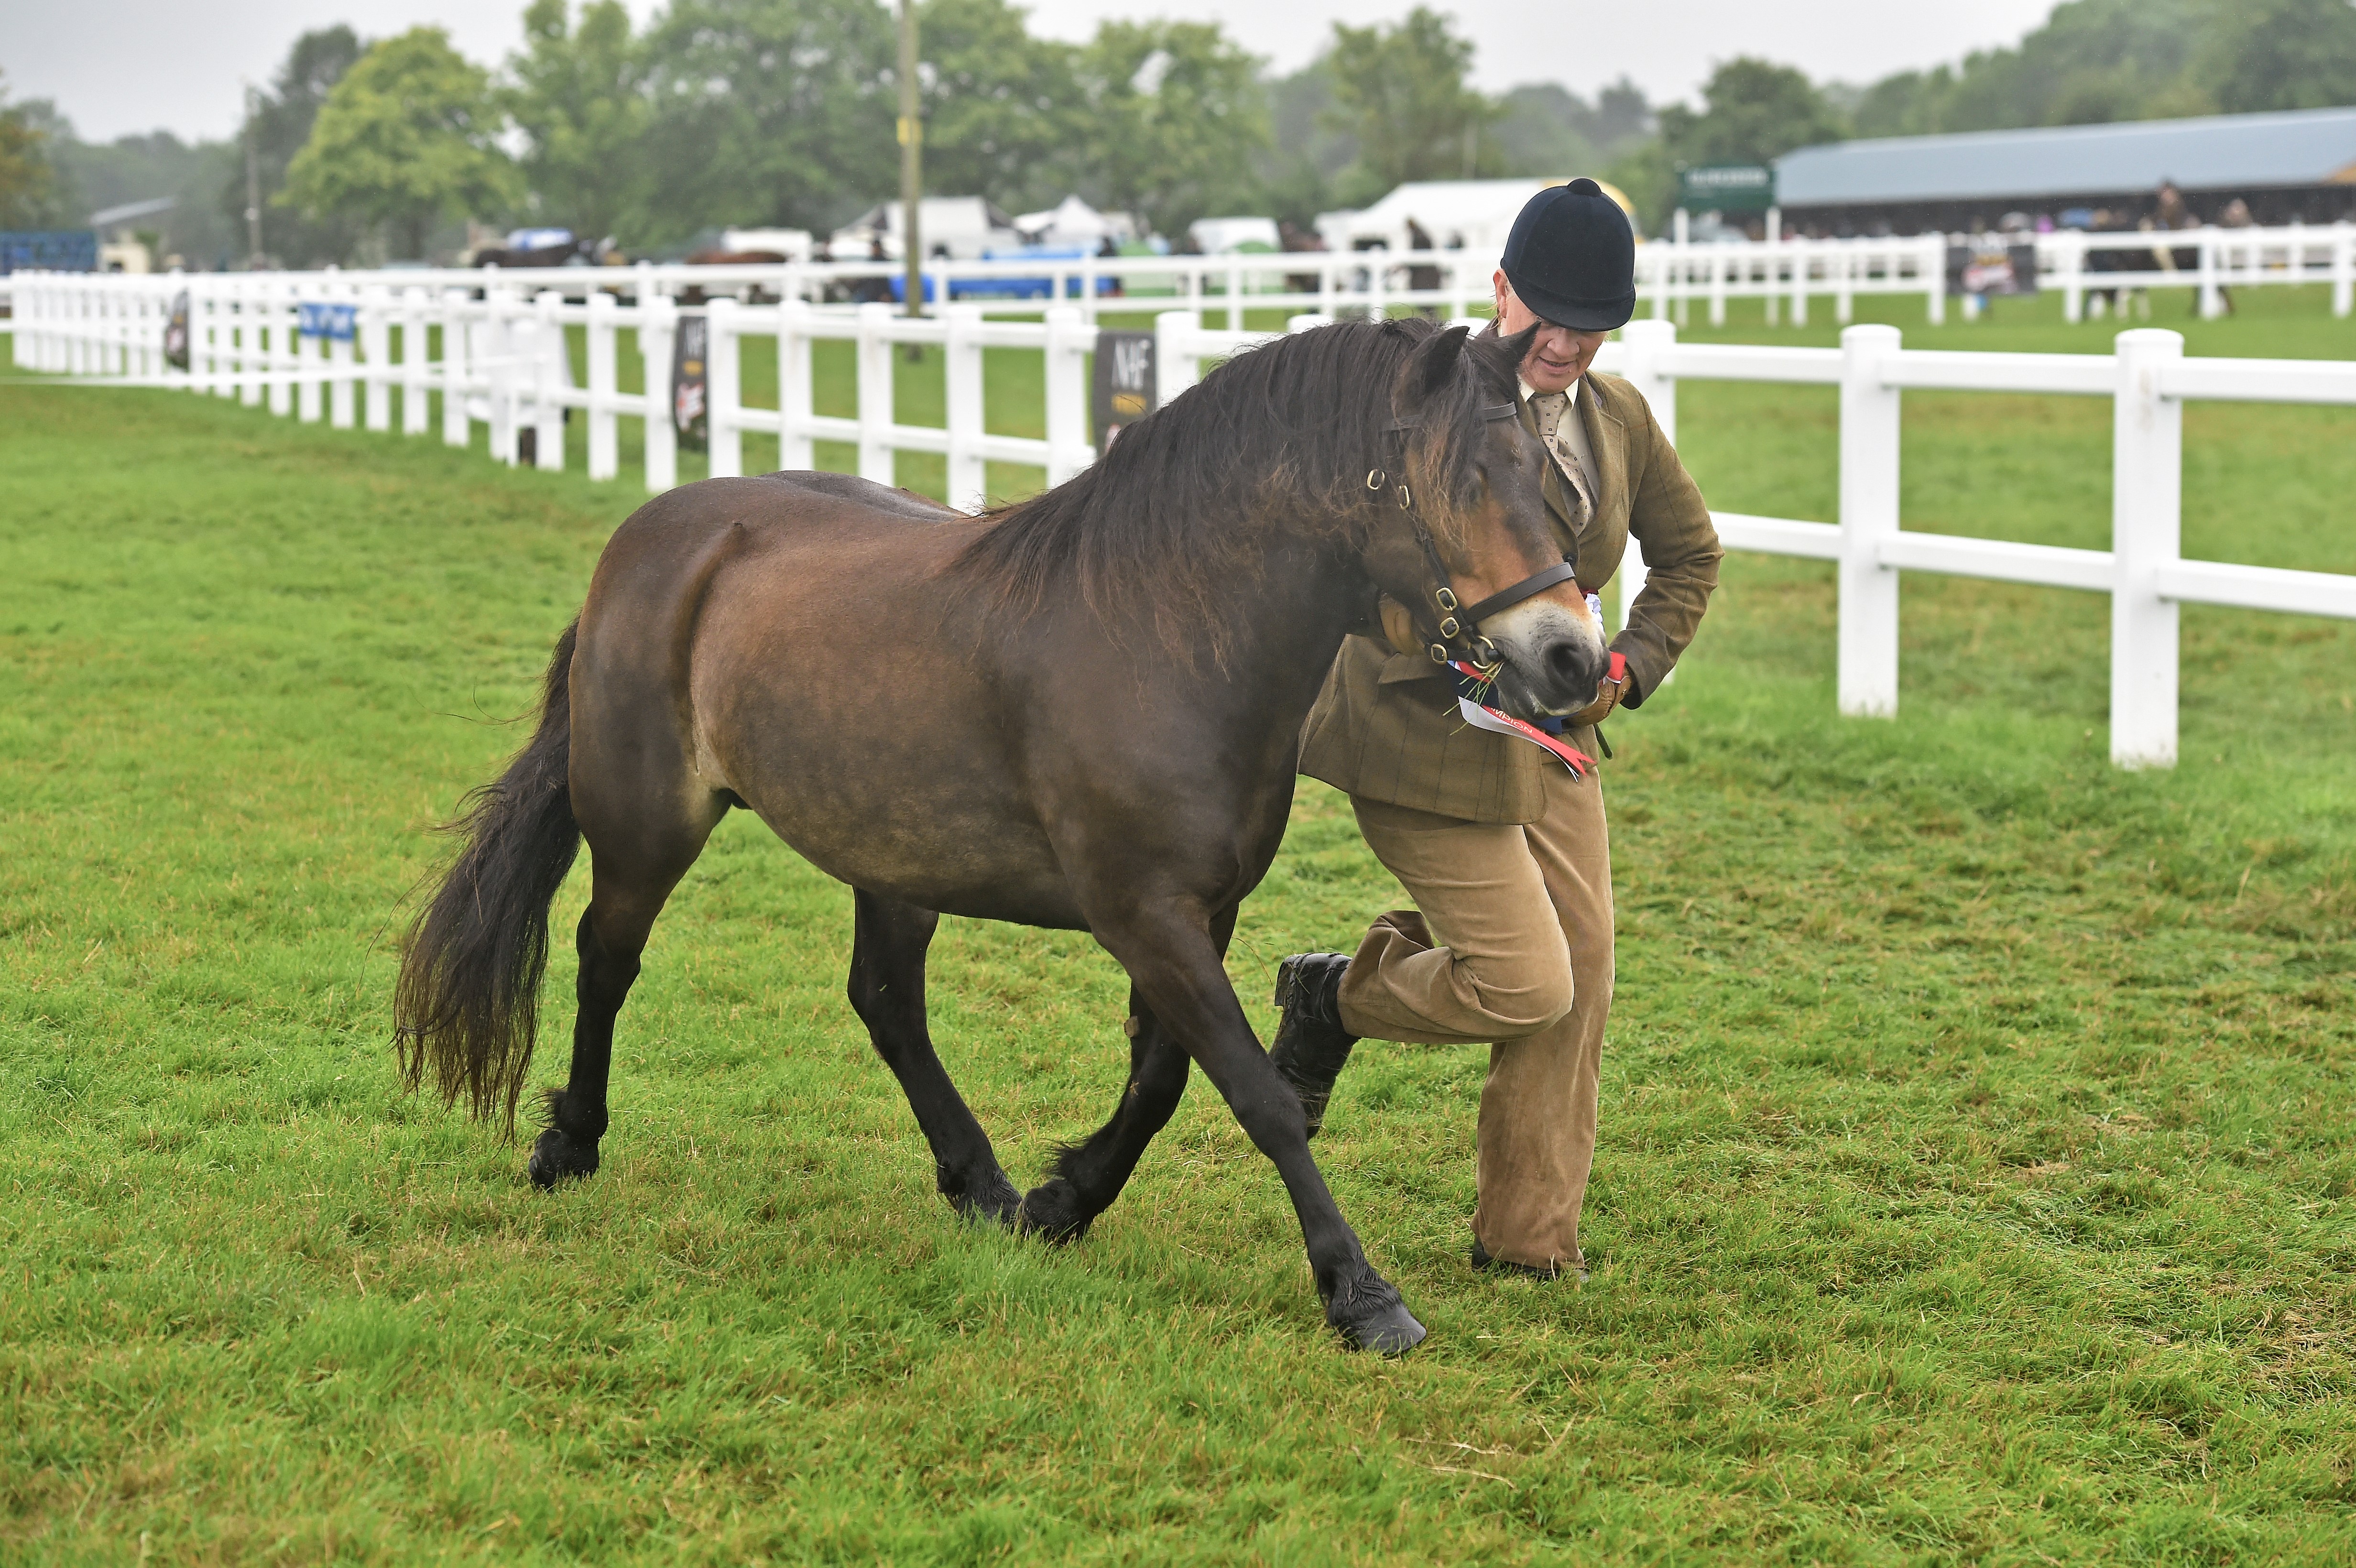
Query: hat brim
point(1580, 315)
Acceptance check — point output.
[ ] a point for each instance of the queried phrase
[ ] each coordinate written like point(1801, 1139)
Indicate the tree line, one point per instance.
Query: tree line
point(750, 113)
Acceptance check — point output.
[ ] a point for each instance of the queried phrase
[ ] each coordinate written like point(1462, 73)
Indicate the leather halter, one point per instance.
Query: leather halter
point(1452, 631)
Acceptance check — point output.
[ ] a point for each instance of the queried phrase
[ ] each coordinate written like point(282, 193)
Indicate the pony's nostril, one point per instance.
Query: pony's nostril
point(1567, 663)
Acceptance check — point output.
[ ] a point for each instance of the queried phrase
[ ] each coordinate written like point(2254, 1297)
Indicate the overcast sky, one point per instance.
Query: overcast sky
point(121, 65)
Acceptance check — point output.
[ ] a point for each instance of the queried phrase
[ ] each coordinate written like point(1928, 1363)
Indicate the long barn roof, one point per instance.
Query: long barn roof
point(2302, 147)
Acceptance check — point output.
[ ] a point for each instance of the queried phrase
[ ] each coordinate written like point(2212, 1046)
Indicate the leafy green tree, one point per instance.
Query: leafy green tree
point(1003, 108)
point(1540, 132)
point(29, 187)
point(578, 96)
point(1307, 153)
point(2281, 54)
point(1753, 111)
point(2091, 61)
point(406, 139)
point(1401, 91)
point(770, 111)
point(1176, 115)
point(135, 168)
point(280, 124)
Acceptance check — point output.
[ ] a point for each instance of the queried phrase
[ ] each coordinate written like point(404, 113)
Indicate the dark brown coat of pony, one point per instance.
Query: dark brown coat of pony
point(1080, 711)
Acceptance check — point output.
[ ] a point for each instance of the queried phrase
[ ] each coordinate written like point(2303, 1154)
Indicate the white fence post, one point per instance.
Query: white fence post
point(253, 339)
point(1645, 341)
point(969, 483)
point(658, 332)
point(1868, 515)
point(2211, 302)
point(412, 361)
point(310, 356)
point(456, 429)
point(2069, 262)
point(553, 374)
point(723, 391)
point(376, 345)
point(2343, 267)
point(1175, 370)
point(2147, 536)
point(875, 408)
point(502, 338)
point(604, 446)
point(796, 400)
point(343, 410)
point(1070, 339)
point(285, 350)
point(1933, 260)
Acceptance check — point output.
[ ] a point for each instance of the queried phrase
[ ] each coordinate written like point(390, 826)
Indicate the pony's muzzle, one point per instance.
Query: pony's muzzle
point(1554, 658)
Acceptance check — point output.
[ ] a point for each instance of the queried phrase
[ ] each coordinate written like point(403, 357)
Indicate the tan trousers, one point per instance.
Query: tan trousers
point(1513, 946)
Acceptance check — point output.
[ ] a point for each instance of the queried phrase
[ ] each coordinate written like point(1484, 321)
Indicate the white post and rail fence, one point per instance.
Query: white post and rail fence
point(1785, 273)
point(504, 360)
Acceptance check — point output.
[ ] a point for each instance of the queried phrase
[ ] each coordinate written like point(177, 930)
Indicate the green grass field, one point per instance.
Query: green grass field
point(1976, 1170)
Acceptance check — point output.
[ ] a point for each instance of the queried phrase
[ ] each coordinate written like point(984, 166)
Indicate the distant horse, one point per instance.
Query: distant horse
point(1079, 712)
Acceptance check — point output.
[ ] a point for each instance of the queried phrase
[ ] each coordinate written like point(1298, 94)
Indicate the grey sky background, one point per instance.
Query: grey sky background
point(122, 66)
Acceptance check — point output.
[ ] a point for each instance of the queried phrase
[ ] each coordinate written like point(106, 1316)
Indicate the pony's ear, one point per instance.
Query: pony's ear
point(1434, 367)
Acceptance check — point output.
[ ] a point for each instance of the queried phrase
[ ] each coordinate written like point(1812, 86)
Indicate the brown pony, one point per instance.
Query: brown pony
point(1090, 709)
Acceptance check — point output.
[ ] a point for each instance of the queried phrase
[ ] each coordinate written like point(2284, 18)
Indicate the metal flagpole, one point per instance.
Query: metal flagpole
point(912, 156)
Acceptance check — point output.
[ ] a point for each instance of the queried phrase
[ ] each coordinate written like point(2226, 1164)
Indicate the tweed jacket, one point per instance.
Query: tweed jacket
point(1386, 725)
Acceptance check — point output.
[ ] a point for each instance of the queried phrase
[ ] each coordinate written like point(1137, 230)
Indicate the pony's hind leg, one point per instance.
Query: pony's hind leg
point(1091, 1174)
point(632, 877)
point(887, 991)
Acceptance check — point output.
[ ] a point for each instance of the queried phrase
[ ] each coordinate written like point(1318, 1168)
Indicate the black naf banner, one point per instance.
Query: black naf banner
point(1123, 392)
point(690, 401)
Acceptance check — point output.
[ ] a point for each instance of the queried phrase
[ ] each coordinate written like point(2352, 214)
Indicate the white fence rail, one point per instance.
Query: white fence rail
point(506, 361)
point(1785, 273)
point(2144, 572)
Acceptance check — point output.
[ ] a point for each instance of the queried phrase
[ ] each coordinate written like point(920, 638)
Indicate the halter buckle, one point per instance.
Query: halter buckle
point(1445, 597)
point(1374, 478)
point(1449, 628)
point(1407, 502)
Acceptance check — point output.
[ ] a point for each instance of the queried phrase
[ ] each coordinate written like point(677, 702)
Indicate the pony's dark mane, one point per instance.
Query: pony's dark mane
point(1178, 504)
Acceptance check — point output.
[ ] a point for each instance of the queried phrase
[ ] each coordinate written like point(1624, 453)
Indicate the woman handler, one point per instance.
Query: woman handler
point(1503, 849)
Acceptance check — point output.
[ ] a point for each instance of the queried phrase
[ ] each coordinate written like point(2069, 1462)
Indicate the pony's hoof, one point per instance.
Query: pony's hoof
point(1369, 1315)
point(992, 1201)
point(556, 1158)
point(1051, 1212)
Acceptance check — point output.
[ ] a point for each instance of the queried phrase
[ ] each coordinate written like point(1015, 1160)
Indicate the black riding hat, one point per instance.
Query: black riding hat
point(1572, 258)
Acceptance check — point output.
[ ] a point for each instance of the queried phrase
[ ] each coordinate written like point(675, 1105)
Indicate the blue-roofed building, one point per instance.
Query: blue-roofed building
point(2301, 163)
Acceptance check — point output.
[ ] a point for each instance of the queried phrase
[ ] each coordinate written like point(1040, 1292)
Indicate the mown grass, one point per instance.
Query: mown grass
point(1975, 1172)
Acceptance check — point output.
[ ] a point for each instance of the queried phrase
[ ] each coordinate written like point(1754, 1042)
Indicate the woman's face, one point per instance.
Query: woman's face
point(1559, 355)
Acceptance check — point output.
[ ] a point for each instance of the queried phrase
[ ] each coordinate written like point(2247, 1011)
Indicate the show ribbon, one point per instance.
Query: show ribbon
point(1473, 701)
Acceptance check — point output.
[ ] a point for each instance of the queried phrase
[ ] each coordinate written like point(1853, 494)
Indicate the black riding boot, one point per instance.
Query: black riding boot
point(1311, 1047)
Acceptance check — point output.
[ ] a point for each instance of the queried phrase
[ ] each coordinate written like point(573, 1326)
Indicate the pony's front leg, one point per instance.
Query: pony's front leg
point(1174, 960)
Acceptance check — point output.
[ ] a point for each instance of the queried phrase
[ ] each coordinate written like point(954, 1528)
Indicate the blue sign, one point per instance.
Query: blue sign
point(53, 251)
point(328, 321)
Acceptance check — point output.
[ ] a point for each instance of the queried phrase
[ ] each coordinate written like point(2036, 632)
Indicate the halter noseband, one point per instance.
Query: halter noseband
point(1454, 633)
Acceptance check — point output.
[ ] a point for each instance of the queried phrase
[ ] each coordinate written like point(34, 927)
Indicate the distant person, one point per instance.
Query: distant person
point(1422, 279)
point(1292, 238)
point(2235, 216)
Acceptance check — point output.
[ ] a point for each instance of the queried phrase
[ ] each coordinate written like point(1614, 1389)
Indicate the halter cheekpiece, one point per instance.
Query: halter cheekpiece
point(1452, 631)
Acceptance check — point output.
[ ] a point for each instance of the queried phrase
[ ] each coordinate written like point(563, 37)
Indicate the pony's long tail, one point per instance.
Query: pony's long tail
point(468, 1004)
